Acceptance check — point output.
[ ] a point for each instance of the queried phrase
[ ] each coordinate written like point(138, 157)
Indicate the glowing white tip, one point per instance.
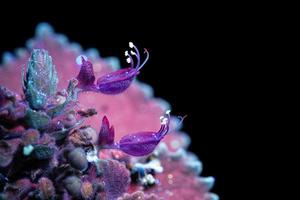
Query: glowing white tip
point(128, 60)
point(164, 121)
point(79, 59)
point(131, 45)
point(133, 53)
point(126, 53)
point(168, 112)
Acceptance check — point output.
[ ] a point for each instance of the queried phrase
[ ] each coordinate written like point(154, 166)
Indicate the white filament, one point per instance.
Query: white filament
point(164, 121)
point(133, 53)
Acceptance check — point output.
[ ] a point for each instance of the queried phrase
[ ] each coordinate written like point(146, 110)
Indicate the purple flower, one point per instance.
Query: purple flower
point(135, 144)
point(114, 82)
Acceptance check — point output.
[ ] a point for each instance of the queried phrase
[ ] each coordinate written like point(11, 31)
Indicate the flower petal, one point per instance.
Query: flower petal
point(86, 75)
point(116, 82)
point(139, 144)
point(107, 134)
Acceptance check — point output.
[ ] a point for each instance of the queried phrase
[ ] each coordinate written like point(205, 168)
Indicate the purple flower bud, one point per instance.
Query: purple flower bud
point(86, 75)
point(107, 134)
point(112, 83)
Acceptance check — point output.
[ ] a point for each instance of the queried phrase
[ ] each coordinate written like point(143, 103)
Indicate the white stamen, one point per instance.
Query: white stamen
point(133, 53)
point(79, 59)
point(168, 112)
point(164, 121)
point(131, 45)
point(128, 60)
point(126, 53)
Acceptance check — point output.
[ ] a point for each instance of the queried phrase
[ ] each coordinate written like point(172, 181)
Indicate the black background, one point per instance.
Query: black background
point(196, 64)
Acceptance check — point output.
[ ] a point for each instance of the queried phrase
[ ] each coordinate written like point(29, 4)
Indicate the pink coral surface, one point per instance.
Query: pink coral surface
point(133, 110)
